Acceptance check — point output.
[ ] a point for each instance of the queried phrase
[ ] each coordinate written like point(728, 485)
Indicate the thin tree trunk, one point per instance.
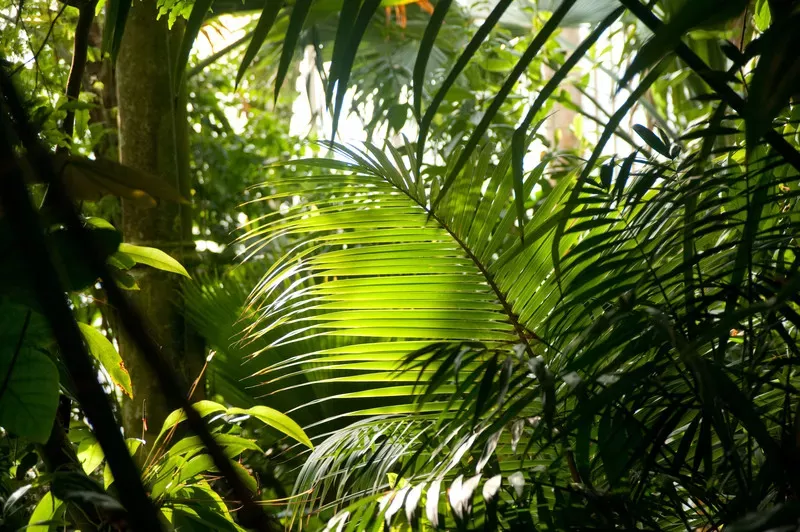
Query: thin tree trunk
point(152, 138)
point(101, 71)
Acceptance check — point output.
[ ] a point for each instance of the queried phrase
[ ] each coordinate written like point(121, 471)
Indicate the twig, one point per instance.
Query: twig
point(44, 42)
point(213, 58)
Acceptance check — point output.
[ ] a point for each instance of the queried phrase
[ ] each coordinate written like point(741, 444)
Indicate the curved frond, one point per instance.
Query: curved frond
point(463, 356)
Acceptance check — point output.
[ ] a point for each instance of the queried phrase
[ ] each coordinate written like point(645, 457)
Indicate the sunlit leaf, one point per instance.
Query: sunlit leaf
point(103, 350)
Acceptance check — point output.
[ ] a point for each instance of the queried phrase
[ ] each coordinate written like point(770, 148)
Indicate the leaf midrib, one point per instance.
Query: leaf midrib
point(522, 332)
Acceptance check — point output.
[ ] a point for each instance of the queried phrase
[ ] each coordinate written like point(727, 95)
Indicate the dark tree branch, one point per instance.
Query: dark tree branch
point(79, 52)
point(44, 278)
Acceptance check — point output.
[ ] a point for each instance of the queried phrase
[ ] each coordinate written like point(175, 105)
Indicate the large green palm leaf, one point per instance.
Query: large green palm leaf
point(379, 267)
point(459, 332)
point(376, 264)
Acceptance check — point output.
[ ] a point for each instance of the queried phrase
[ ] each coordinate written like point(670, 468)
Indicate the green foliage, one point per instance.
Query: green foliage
point(482, 330)
point(48, 514)
point(151, 257)
point(469, 340)
point(102, 349)
point(28, 377)
point(174, 9)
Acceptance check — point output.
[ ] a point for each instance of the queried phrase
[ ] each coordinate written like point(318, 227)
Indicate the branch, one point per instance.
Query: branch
point(44, 42)
point(199, 67)
point(79, 52)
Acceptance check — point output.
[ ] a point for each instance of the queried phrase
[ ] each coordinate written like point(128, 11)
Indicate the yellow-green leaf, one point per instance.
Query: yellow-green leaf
point(276, 420)
point(103, 350)
point(153, 257)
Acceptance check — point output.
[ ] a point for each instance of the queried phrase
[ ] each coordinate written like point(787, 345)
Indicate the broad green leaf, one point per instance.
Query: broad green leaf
point(121, 261)
point(276, 420)
point(196, 466)
point(233, 445)
point(90, 455)
point(28, 392)
point(49, 512)
point(248, 479)
point(198, 507)
point(153, 257)
point(761, 15)
point(204, 408)
point(124, 280)
point(100, 223)
point(105, 353)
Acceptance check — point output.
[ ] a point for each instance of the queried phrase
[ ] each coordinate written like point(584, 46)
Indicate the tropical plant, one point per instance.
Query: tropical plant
point(617, 353)
point(590, 339)
point(647, 382)
point(176, 470)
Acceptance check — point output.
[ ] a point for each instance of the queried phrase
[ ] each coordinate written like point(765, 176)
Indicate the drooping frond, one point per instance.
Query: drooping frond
point(464, 355)
point(380, 270)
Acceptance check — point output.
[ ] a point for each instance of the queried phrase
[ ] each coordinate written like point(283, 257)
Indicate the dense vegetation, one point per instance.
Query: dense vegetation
point(403, 265)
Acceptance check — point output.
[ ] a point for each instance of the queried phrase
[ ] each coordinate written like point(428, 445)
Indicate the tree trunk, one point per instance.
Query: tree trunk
point(152, 137)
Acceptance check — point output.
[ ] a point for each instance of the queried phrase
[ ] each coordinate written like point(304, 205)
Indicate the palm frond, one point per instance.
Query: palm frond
point(459, 332)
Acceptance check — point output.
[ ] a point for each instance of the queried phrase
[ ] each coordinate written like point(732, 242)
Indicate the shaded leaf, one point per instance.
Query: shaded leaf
point(652, 140)
point(265, 22)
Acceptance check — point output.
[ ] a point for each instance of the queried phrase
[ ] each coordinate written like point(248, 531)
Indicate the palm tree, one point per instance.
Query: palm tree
point(622, 357)
point(617, 352)
point(647, 382)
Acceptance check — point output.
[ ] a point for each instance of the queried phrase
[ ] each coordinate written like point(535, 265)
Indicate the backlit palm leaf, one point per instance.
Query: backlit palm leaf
point(382, 270)
point(438, 308)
